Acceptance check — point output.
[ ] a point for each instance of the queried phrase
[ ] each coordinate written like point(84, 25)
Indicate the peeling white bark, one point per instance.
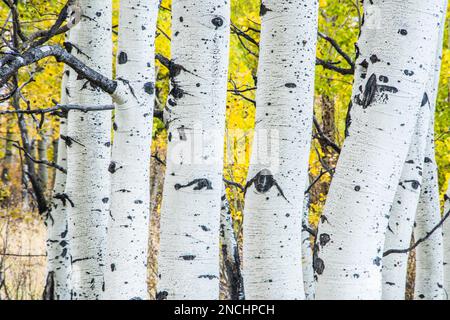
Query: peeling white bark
point(190, 213)
point(58, 254)
point(126, 267)
point(352, 230)
point(272, 258)
point(88, 154)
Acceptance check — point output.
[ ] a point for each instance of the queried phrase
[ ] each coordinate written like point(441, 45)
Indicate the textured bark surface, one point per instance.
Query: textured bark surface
point(230, 253)
point(128, 227)
point(403, 212)
point(272, 216)
point(351, 235)
point(58, 250)
point(88, 153)
point(447, 245)
point(429, 254)
point(190, 213)
point(307, 253)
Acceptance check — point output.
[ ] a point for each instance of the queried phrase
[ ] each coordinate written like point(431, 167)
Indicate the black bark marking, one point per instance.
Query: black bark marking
point(162, 295)
point(324, 238)
point(377, 261)
point(425, 100)
point(200, 184)
point(384, 79)
point(207, 276)
point(263, 10)
point(64, 197)
point(149, 88)
point(263, 182)
point(318, 264)
point(372, 90)
point(290, 85)
point(113, 168)
point(348, 119)
point(182, 133)
point(123, 57)
point(49, 290)
point(374, 58)
point(188, 257)
point(217, 22)
point(113, 267)
point(403, 32)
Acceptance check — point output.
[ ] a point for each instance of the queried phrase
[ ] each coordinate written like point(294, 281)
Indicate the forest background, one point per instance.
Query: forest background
point(22, 232)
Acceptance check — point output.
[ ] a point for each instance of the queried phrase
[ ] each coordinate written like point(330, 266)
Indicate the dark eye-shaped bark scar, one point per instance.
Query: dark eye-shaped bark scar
point(414, 184)
point(200, 184)
point(372, 90)
point(264, 181)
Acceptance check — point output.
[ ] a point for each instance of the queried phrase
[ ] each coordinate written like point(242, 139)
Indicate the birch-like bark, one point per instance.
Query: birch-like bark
point(230, 252)
point(447, 245)
point(429, 254)
point(307, 253)
point(128, 227)
point(349, 249)
point(88, 153)
point(58, 250)
point(403, 212)
point(416, 176)
point(272, 255)
point(190, 213)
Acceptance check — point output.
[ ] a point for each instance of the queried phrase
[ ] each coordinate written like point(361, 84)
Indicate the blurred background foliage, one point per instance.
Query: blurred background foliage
point(22, 244)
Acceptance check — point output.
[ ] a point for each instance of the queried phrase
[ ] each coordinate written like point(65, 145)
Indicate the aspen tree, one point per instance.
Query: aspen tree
point(350, 243)
point(128, 228)
point(190, 213)
point(447, 244)
point(272, 256)
point(88, 153)
point(58, 249)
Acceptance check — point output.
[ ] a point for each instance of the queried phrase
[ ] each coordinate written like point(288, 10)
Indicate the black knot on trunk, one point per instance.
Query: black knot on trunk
point(123, 58)
point(149, 88)
point(217, 22)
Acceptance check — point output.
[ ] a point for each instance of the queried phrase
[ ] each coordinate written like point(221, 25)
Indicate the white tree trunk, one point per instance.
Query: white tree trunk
point(351, 235)
point(190, 213)
point(429, 254)
point(58, 254)
point(447, 244)
point(126, 267)
point(272, 257)
point(230, 252)
point(89, 140)
point(403, 212)
point(307, 253)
